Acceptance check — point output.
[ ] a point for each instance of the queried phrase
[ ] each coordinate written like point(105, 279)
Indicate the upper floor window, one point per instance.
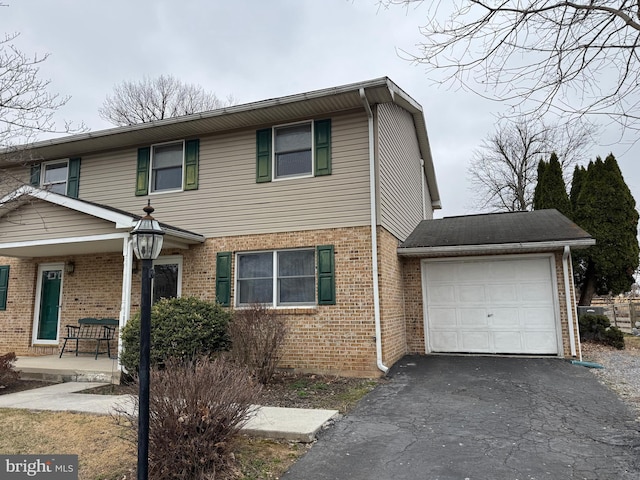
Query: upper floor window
point(293, 151)
point(293, 157)
point(58, 176)
point(166, 166)
point(55, 177)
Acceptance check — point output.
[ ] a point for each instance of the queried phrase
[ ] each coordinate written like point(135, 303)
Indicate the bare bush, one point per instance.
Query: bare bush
point(8, 375)
point(257, 336)
point(195, 408)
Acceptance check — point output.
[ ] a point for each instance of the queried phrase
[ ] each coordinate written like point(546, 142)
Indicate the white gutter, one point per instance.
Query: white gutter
point(485, 248)
point(374, 234)
point(567, 296)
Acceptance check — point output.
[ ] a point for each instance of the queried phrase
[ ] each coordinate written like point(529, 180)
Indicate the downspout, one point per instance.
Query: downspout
point(422, 182)
point(374, 235)
point(567, 296)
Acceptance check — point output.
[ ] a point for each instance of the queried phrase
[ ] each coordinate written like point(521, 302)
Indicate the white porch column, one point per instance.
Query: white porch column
point(125, 306)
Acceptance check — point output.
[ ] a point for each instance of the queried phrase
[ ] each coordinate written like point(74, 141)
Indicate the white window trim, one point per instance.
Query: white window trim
point(273, 153)
point(43, 174)
point(171, 260)
point(274, 278)
point(150, 186)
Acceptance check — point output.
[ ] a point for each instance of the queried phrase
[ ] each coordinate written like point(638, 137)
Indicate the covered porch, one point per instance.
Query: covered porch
point(68, 259)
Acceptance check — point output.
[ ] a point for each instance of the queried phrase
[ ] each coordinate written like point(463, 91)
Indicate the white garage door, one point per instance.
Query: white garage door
point(490, 306)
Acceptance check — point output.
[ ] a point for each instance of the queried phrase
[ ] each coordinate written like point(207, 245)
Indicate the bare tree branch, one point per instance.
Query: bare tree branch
point(156, 99)
point(572, 57)
point(503, 171)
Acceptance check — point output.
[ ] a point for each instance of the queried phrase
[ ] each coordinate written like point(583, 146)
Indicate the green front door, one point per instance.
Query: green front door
point(49, 304)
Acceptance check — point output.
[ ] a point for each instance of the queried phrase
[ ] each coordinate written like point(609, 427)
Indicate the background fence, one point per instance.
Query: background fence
point(622, 312)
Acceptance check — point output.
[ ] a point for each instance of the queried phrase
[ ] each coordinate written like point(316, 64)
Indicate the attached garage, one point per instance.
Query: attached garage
point(491, 305)
point(494, 284)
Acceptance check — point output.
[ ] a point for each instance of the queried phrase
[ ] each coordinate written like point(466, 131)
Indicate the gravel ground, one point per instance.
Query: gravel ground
point(621, 370)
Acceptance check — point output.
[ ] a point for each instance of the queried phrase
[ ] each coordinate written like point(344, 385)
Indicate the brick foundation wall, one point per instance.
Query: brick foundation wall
point(325, 339)
point(392, 305)
point(334, 339)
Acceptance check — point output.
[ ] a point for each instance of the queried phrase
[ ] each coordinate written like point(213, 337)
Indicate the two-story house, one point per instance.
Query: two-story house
point(301, 203)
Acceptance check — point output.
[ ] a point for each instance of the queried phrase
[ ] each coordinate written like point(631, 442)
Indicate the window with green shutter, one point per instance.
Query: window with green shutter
point(263, 155)
point(4, 286)
point(293, 151)
point(35, 175)
point(73, 178)
point(326, 275)
point(142, 171)
point(223, 278)
point(167, 167)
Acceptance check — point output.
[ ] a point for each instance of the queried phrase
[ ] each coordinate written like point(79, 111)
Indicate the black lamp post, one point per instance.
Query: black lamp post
point(147, 243)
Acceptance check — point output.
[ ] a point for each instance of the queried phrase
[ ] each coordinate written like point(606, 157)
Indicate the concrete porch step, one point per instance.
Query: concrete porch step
point(83, 368)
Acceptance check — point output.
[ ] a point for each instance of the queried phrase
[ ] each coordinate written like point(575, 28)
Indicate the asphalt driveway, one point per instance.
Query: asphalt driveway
point(480, 418)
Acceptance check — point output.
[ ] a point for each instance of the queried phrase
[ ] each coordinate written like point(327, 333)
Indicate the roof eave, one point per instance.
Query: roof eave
point(523, 247)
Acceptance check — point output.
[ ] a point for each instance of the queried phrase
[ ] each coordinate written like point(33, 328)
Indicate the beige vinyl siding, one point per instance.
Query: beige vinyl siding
point(12, 178)
point(400, 175)
point(40, 220)
point(230, 202)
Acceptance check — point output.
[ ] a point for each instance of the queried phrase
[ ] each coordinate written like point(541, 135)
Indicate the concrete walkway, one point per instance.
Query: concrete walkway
point(295, 424)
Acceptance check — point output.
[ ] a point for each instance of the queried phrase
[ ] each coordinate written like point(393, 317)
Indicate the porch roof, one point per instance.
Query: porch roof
point(96, 228)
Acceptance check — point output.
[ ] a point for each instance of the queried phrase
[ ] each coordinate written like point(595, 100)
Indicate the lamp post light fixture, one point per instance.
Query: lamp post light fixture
point(147, 243)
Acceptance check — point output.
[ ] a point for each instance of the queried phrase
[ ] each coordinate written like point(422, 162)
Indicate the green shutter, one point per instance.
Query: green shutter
point(326, 275)
point(322, 134)
point(73, 178)
point(223, 278)
point(191, 160)
point(263, 155)
point(4, 286)
point(35, 175)
point(142, 172)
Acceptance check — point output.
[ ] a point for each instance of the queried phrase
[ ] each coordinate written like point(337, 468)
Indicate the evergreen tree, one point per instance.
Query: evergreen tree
point(606, 209)
point(551, 192)
point(579, 174)
point(537, 192)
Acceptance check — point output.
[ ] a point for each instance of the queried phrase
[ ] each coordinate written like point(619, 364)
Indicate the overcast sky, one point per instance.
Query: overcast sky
point(255, 50)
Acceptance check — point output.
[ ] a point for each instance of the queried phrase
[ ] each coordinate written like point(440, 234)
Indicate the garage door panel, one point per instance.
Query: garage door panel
point(535, 292)
point(540, 342)
point(443, 318)
point(442, 295)
point(501, 293)
point(537, 318)
point(475, 342)
point(508, 342)
point(493, 305)
point(471, 294)
point(473, 318)
point(504, 318)
point(446, 341)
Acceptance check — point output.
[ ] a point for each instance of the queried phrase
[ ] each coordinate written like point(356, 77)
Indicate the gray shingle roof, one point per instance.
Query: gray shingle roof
point(495, 229)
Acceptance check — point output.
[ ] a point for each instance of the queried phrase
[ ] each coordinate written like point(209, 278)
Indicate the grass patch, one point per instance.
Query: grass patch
point(102, 453)
point(632, 342)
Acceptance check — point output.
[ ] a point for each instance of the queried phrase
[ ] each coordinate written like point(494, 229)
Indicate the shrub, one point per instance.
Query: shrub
point(8, 375)
point(257, 336)
point(184, 328)
point(195, 408)
point(597, 328)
